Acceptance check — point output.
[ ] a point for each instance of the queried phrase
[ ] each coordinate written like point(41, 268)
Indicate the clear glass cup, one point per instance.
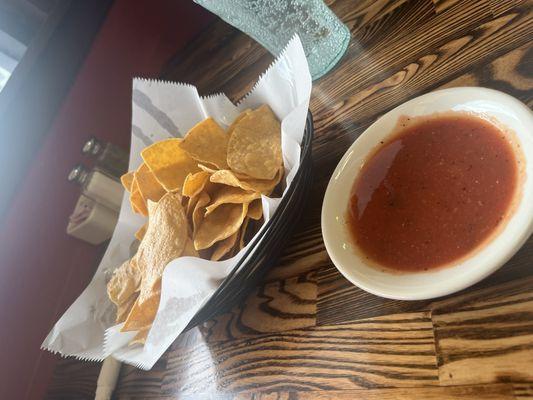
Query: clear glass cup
point(273, 23)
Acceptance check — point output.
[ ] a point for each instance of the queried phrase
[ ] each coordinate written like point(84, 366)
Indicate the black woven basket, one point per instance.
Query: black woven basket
point(267, 246)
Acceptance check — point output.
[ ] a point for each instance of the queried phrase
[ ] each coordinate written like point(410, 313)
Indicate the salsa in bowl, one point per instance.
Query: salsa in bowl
point(434, 196)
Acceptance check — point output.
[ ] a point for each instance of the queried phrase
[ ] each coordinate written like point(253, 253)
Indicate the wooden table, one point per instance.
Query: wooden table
point(306, 332)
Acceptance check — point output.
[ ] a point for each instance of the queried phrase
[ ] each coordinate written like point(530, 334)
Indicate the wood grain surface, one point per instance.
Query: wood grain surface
point(275, 306)
point(489, 339)
point(395, 350)
point(488, 392)
point(306, 332)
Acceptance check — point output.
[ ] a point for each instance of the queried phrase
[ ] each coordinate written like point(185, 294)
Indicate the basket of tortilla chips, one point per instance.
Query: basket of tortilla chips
point(201, 195)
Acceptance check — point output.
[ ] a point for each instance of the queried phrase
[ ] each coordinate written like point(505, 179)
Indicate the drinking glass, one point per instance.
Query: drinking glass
point(273, 23)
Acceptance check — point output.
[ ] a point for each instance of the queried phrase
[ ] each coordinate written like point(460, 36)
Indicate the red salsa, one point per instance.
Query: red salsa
point(433, 192)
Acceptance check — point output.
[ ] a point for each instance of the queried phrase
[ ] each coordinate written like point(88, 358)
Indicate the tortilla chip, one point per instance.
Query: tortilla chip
point(134, 186)
point(134, 208)
point(230, 194)
point(224, 246)
point(207, 142)
point(124, 309)
point(189, 250)
point(142, 230)
point(165, 240)
point(127, 180)
point(169, 163)
point(195, 183)
point(137, 203)
point(228, 177)
point(236, 120)
point(142, 314)
point(191, 204)
point(148, 186)
point(199, 211)
point(254, 147)
point(212, 171)
point(205, 168)
point(255, 210)
point(220, 224)
point(125, 281)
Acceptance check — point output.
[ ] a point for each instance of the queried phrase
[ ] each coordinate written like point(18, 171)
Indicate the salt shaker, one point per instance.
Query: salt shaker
point(108, 157)
point(98, 185)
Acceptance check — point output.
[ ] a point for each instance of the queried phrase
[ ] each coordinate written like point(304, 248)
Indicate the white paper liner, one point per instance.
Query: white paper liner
point(161, 110)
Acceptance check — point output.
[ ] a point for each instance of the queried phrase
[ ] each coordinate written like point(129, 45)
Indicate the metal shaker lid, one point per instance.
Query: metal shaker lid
point(78, 174)
point(91, 147)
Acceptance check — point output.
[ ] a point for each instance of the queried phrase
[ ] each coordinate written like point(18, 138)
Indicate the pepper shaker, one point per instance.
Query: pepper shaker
point(108, 157)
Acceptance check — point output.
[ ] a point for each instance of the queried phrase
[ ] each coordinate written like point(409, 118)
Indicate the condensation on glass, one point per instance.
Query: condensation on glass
point(273, 23)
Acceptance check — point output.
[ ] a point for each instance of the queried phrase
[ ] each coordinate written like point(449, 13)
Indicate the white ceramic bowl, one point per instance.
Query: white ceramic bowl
point(511, 114)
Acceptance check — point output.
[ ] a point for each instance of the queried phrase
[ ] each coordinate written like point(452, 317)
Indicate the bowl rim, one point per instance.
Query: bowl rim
point(332, 232)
